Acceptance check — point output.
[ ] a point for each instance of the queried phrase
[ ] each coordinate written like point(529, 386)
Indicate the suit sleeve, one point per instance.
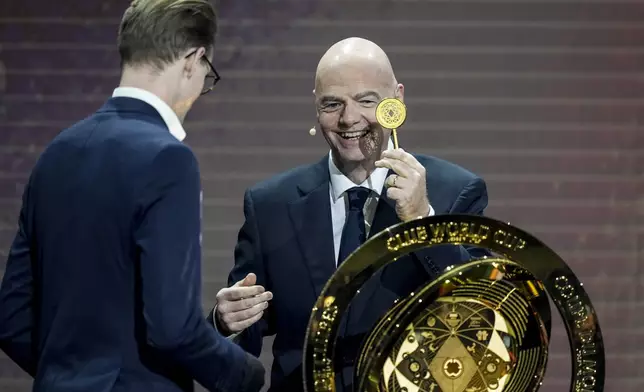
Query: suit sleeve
point(168, 239)
point(248, 258)
point(16, 298)
point(472, 200)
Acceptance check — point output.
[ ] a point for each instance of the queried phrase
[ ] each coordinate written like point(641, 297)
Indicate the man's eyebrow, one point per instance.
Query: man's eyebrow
point(329, 98)
point(366, 94)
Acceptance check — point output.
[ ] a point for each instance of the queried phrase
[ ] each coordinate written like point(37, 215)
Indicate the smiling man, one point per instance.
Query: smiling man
point(300, 225)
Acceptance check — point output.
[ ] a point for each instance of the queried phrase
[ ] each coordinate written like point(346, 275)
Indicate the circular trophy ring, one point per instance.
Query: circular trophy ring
point(391, 113)
point(514, 244)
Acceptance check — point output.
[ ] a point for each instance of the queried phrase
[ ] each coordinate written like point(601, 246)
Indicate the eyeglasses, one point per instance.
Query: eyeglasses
point(211, 78)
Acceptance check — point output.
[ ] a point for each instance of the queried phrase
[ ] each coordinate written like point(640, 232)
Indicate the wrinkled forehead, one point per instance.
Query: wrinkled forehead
point(351, 79)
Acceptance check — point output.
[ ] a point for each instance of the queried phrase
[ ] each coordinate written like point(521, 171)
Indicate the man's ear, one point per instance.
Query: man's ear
point(400, 92)
point(317, 111)
point(193, 62)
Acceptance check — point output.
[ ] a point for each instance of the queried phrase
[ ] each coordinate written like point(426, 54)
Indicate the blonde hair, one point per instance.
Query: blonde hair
point(158, 32)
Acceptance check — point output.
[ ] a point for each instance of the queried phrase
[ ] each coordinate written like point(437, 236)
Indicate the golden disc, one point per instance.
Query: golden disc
point(391, 113)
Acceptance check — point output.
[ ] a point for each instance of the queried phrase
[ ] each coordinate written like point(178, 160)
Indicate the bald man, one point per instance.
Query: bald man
point(299, 225)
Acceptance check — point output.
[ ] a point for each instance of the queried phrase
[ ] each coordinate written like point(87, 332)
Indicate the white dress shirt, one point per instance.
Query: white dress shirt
point(167, 114)
point(339, 184)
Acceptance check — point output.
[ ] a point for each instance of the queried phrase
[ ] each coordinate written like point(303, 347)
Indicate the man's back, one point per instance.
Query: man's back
point(83, 196)
point(102, 286)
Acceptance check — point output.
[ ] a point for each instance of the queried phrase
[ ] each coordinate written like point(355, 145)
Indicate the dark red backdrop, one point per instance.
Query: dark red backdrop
point(543, 98)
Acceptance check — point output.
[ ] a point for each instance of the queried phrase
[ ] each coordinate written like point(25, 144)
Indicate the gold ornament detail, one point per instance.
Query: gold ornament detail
point(391, 113)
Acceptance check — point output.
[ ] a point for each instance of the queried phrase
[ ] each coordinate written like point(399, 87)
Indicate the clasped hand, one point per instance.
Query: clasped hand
point(408, 186)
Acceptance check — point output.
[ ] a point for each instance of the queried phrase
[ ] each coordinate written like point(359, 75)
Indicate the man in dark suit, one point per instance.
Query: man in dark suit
point(102, 288)
point(300, 224)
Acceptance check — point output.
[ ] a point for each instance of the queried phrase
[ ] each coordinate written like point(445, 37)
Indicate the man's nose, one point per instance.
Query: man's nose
point(350, 115)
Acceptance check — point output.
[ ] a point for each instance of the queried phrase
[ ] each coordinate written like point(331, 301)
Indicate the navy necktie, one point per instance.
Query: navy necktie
point(354, 232)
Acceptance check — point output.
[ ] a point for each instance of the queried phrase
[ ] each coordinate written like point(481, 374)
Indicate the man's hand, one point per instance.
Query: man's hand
point(241, 305)
point(408, 186)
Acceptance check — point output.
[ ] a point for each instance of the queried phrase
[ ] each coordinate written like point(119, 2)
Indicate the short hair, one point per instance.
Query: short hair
point(158, 32)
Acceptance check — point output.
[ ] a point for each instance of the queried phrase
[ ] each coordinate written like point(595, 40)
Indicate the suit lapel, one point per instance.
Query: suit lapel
point(311, 218)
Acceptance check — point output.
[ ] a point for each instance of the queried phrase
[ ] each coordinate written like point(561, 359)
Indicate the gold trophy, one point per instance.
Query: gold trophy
point(483, 326)
point(391, 114)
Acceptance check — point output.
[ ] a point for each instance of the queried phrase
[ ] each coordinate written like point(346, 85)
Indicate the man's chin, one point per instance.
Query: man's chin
point(353, 156)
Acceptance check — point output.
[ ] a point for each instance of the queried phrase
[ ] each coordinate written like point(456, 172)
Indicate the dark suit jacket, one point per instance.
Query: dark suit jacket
point(102, 289)
point(287, 241)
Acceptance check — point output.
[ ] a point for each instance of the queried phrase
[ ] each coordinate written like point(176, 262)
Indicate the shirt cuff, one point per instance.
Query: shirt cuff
point(431, 211)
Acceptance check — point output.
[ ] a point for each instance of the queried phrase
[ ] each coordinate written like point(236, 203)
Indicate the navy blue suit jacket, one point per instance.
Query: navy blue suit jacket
point(287, 240)
point(102, 289)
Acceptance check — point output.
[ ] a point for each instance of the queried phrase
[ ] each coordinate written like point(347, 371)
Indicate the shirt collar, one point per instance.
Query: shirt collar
point(167, 114)
point(341, 183)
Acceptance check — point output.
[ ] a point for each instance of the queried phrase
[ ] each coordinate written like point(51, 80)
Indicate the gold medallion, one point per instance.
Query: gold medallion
point(483, 326)
point(391, 114)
